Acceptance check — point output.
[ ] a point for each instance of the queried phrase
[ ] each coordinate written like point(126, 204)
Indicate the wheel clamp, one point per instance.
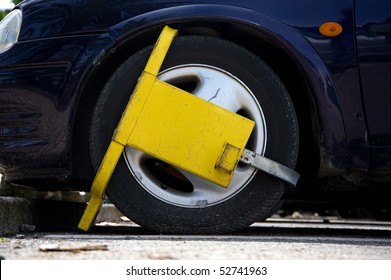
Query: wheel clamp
point(191, 133)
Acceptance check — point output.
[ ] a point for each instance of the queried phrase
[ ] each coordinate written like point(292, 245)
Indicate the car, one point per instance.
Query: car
point(315, 76)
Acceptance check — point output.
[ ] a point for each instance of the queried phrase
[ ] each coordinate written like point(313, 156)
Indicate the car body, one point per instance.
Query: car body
point(67, 50)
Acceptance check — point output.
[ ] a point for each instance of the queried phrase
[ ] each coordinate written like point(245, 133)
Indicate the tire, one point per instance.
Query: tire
point(167, 200)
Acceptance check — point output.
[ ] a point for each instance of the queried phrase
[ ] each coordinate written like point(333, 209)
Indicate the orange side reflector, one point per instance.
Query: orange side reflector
point(330, 29)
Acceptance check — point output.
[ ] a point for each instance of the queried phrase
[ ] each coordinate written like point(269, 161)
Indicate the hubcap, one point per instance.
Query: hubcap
point(178, 187)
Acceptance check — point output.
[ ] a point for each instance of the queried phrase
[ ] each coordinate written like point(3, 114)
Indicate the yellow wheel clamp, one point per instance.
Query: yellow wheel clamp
point(193, 134)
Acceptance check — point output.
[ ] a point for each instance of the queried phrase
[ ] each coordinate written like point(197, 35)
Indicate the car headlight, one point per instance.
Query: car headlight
point(9, 30)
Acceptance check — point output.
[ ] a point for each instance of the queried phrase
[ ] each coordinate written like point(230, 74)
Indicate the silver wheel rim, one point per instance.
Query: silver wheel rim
point(225, 90)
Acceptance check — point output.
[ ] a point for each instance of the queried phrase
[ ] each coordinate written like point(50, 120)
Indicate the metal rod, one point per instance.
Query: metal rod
point(271, 167)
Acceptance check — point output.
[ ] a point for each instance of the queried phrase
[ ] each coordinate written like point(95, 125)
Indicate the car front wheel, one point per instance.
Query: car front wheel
point(169, 200)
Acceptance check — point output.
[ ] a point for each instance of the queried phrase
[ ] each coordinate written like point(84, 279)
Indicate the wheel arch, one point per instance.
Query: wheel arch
point(282, 47)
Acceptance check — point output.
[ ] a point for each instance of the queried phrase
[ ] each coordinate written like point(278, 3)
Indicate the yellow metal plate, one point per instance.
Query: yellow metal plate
point(186, 131)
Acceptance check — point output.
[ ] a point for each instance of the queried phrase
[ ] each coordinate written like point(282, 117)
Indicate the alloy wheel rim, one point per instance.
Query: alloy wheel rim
point(178, 187)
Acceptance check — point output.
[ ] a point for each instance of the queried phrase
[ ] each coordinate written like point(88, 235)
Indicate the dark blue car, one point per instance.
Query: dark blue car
point(315, 76)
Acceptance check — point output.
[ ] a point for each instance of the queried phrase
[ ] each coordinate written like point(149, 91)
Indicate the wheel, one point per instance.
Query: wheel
point(168, 200)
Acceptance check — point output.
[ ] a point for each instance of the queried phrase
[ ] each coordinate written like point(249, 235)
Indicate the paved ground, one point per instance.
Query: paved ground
point(33, 229)
point(271, 240)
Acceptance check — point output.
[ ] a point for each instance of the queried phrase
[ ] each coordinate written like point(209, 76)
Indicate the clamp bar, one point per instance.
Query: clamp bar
point(125, 127)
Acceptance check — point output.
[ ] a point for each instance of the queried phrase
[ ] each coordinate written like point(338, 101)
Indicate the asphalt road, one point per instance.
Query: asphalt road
point(272, 240)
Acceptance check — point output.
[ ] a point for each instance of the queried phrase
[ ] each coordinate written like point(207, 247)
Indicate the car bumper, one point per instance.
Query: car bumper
point(40, 83)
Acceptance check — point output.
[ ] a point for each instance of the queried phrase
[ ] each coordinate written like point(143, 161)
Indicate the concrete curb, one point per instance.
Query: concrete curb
point(14, 212)
point(108, 213)
point(21, 214)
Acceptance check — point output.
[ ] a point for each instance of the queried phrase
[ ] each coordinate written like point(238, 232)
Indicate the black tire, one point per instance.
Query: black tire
point(256, 199)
